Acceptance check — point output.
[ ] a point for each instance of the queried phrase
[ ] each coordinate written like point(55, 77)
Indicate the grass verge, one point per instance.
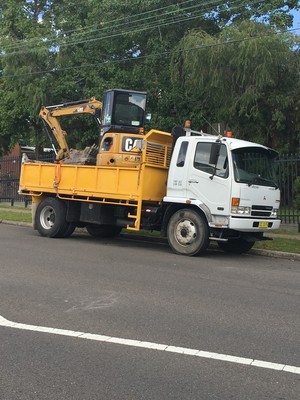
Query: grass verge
point(280, 244)
point(20, 216)
point(6, 206)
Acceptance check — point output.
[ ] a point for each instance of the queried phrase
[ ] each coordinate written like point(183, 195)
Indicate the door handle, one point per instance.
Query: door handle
point(193, 181)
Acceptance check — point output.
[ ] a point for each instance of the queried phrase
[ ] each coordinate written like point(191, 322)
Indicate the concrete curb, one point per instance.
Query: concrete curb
point(4, 221)
point(261, 252)
point(275, 254)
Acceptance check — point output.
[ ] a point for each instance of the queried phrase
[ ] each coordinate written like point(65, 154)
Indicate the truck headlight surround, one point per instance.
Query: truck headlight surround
point(240, 210)
point(274, 213)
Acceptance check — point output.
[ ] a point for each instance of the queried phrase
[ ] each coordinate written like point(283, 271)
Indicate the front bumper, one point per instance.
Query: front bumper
point(253, 224)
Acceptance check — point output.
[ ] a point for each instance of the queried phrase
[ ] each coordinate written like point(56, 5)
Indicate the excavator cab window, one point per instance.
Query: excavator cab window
point(123, 111)
point(107, 144)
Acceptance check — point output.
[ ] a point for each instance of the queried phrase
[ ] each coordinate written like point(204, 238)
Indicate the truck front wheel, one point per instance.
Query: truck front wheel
point(50, 218)
point(236, 246)
point(188, 232)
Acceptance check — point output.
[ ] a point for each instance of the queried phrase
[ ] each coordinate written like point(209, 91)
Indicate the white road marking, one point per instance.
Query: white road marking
point(154, 346)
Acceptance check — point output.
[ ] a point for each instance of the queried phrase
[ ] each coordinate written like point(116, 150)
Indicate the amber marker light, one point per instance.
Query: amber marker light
point(229, 134)
point(235, 201)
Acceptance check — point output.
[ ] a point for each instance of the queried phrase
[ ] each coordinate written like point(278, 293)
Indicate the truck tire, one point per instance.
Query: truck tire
point(50, 218)
point(70, 228)
point(103, 231)
point(187, 232)
point(236, 246)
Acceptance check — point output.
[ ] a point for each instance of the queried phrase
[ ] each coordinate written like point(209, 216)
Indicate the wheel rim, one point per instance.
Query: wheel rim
point(47, 217)
point(185, 232)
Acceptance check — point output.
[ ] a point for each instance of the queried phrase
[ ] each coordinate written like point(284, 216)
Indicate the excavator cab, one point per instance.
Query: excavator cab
point(123, 121)
point(123, 111)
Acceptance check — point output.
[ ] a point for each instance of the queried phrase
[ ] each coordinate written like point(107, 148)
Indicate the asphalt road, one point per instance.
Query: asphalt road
point(100, 295)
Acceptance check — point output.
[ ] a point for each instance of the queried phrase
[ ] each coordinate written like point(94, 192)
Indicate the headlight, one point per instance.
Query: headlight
point(241, 210)
point(274, 213)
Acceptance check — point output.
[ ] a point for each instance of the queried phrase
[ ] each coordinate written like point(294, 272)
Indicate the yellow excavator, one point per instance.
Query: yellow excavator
point(120, 118)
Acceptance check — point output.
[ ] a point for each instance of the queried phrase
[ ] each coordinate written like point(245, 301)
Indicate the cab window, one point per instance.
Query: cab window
point(201, 160)
point(182, 154)
point(107, 144)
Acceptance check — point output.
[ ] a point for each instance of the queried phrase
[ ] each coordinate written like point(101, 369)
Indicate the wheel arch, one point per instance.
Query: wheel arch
point(171, 208)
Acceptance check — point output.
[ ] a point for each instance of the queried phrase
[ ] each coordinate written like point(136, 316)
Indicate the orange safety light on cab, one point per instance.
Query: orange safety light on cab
point(235, 201)
point(229, 134)
point(187, 124)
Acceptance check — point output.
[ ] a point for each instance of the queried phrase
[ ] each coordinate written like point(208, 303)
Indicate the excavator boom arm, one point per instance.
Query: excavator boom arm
point(51, 114)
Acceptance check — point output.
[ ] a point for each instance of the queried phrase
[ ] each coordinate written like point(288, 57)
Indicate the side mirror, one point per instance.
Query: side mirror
point(148, 117)
point(214, 153)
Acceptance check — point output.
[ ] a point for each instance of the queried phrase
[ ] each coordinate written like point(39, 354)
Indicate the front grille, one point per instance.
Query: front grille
point(261, 211)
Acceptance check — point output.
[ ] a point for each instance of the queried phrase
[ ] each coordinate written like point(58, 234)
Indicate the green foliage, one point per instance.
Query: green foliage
point(275, 13)
point(244, 77)
point(54, 51)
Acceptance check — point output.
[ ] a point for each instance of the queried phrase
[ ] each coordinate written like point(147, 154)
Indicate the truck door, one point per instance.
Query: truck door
point(210, 183)
point(177, 180)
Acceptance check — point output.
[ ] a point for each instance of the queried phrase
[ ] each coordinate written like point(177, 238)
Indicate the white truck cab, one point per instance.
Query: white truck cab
point(231, 181)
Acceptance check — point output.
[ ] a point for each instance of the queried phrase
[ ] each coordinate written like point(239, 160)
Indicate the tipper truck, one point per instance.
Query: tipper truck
point(190, 186)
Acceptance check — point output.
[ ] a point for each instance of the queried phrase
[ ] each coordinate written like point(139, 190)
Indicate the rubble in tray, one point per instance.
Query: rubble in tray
point(83, 157)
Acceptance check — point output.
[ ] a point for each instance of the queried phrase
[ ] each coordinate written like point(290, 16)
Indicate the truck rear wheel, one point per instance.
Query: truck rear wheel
point(70, 228)
point(187, 232)
point(236, 246)
point(50, 218)
point(103, 231)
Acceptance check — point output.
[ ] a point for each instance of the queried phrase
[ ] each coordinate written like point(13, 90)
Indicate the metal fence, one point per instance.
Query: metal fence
point(288, 169)
point(9, 177)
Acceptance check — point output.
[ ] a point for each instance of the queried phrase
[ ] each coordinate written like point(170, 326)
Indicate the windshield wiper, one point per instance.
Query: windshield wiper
point(259, 179)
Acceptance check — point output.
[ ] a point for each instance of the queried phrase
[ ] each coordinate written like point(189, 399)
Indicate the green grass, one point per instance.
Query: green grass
point(8, 206)
point(285, 232)
point(280, 244)
point(20, 216)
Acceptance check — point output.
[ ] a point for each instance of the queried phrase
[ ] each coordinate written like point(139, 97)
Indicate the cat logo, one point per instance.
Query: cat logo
point(129, 143)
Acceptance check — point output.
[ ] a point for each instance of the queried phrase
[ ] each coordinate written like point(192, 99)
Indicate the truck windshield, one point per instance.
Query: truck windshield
point(254, 166)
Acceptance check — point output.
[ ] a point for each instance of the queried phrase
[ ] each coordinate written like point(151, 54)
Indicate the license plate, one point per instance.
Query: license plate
point(263, 224)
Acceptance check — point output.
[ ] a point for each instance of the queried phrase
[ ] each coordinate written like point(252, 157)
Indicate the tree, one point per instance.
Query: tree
point(245, 77)
point(274, 13)
point(53, 51)
point(22, 84)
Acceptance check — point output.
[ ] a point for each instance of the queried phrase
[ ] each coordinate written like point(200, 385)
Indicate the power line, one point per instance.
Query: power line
point(151, 24)
point(124, 20)
point(166, 53)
